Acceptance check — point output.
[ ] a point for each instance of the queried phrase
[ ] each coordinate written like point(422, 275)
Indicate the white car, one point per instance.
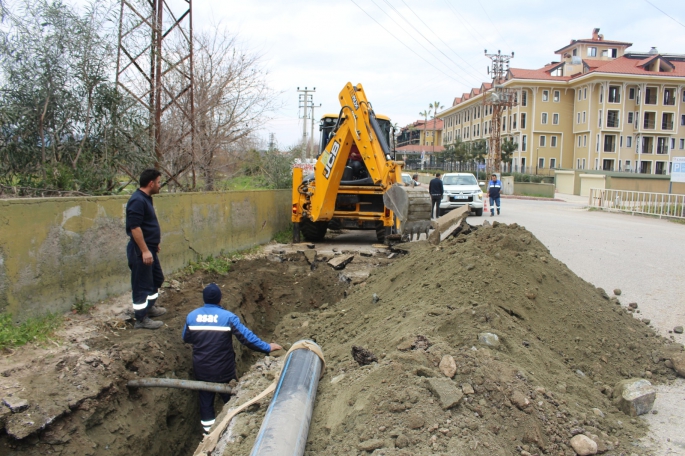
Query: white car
point(406, 179)
point(461, 189)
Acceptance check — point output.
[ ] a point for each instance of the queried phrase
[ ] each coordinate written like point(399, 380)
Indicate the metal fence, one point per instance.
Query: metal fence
point(658, 204)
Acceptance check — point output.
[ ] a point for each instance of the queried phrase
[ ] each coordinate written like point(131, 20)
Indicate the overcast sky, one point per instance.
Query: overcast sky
point(437, 49)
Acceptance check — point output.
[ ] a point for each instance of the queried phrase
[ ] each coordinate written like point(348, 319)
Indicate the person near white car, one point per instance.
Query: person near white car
point(494, 188)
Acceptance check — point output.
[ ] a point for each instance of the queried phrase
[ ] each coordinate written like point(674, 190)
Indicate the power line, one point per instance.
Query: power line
point(664, 12)
point(466, 25)
point(443, 42)
point(405, 45)
point(493, 24)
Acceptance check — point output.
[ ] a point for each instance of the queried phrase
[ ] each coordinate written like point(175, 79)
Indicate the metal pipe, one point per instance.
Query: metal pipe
point(179, 384)
point(286, 423)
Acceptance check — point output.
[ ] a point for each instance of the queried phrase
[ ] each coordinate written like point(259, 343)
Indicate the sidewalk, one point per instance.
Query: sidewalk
point(572, 198)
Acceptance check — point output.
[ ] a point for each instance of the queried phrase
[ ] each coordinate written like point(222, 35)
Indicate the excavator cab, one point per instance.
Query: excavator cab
point(356, 184)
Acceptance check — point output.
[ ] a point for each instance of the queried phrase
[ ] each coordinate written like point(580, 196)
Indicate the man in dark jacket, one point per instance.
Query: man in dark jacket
point(145, 236)
point(494, 189)
point(436, 190)
point(210, 329)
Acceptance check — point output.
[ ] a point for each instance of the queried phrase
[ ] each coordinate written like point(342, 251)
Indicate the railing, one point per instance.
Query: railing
point(659, 204)
point(667, 125)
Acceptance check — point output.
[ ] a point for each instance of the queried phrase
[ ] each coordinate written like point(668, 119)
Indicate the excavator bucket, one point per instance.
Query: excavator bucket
point(412, 208)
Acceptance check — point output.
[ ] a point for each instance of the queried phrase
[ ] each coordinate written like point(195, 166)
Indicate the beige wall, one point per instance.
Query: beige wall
point(589, 181)
point(56, 251)
point(564, 181)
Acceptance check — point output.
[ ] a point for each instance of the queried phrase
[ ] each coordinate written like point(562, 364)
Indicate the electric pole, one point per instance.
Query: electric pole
point(313, 148)
point(499, 98)
point(306, 101)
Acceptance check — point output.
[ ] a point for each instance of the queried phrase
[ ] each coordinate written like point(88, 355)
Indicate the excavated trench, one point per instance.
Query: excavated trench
point(79, 402)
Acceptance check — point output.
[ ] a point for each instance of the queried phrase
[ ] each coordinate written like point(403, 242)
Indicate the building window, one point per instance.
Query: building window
point(672, 143)
point(578, 118)
point(544, 118)
point(682, 119)
point(614, 53)
point(669, 97)
point(523, 120)
point(597, 144)
point(553, 141)
point(579, 93)
point(612, 119)
point(629, 141)
point(596, 163)
point(524, 98)
point(605, 53)
point(579, 139)
point(583, 167)
point(662, 145)
point(524, 142)
point(614, 94)
point(649, 121)
point(631, 96)
point(543, 140)
point(545, 95)
point(592, 52)
point(682, 144)
point(584, 140)
point(637, 119)
point(608, 165)
point(552, 163)
point(555, 119)
point(557, 96)
point(627, 165)
point(620, 142)
point(504, 123)
point(541, 163)
point(630, 118)
point(601, 95)
point(609, 143)
point(650, 95)
point(599, 119)
point(667, 121)
point(514, 122)
point(583, 116)
point(578, 164)
point(585, 93)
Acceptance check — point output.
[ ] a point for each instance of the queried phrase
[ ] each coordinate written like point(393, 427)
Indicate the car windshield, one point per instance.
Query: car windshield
point(406, 178)
point(460, 180)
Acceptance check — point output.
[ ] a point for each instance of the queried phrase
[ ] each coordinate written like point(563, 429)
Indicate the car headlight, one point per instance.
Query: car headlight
point(480, 195)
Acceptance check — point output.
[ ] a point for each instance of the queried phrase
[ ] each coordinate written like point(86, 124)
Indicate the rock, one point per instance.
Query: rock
point(633, 305)
point(340, 262)
point(617, 291)
point(448, 366)
point(668, 363)
point(311, 246)
point(678, 363)
point(447, 392)
point(375, 298)
point(646, 321)
point(598, 412)
point(363, 356)
point(16, 404)
point(678, 330)
point(366, 254)
point(337, 378)
point(310, 255)
point(370, 445)
point(466, 388)
point(402, 441)
point(634, 396)
point(489, 339)
point(415, 421)
point(583, 445)
point(603, 293)
point(519, 399)
point(4, 414)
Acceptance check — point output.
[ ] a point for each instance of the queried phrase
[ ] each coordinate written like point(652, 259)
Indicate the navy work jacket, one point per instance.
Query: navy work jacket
point(435, 187)
point(209, 329)
point(141, 214)
point(494, 188)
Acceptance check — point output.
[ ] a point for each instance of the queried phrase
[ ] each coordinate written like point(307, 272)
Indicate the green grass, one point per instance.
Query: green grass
point(219, 264)
point(285, 236)
point(240, 183)
point(81, 306)
point(36, 329)
point(536, 195)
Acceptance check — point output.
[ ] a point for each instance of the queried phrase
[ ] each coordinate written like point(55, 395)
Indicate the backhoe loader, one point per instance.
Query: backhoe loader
point(356, 184)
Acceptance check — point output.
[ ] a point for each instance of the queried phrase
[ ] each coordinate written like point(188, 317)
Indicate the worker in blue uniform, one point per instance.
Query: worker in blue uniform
point(210, 329)
point(494, 189)
point(145, 236)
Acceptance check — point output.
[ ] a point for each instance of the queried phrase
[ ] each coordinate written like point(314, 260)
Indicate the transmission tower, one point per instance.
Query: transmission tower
point(155, 71)
point(306, 102)
point(499, 98)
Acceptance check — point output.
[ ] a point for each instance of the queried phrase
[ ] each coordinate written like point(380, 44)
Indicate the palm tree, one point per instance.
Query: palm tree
point(435, 106)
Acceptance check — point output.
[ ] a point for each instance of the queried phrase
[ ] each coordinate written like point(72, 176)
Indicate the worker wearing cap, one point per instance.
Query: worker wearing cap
point(494, 188)
point(210, 329)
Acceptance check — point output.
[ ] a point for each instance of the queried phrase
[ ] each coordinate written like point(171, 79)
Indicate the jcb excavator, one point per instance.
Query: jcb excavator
point(356, 184)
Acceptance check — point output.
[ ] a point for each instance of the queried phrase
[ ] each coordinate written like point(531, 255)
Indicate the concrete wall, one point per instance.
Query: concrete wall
point(532, 189)
point(564, 181)
point(589, 181)
point(55, 251)
point(617, 181)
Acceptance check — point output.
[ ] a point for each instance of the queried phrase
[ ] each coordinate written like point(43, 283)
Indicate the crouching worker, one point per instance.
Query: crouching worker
point(210, 329)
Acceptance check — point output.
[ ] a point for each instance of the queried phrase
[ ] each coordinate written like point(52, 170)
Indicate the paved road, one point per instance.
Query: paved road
point(641, 256)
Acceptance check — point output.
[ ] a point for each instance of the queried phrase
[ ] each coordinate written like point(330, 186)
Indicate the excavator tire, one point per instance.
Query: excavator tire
point(380, 232)
point(335, 224)
point(313, 231)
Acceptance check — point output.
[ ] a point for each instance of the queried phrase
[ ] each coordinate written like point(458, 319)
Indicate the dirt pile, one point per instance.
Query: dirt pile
point(78, 402)
point(443, 384)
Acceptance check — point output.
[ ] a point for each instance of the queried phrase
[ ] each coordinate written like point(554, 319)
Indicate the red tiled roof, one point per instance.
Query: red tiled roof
point(625, 65)
point(542, 73)
point(418, 148)
point(591, 41)
point(595, 63)
point(429, 124)
point(456, 101)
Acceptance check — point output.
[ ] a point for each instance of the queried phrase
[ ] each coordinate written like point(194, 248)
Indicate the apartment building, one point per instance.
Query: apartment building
point(598, 107)
point(422, 135)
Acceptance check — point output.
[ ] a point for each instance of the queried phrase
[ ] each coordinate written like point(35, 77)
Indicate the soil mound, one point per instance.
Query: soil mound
point(444, 384)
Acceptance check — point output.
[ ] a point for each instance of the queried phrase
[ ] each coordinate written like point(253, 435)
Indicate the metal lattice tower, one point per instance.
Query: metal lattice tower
point(155, 69)
point(499, 98)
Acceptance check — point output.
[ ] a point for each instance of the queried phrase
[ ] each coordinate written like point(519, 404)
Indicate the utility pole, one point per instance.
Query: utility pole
point(272, 142)
point(312, 151)
point(306, 101)
point(499, 98)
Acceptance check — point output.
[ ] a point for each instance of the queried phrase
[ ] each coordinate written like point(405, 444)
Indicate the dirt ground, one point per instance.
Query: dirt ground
point(563, 345)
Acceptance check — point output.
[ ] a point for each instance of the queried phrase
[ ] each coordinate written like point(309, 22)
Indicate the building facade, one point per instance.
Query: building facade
point(598, 107)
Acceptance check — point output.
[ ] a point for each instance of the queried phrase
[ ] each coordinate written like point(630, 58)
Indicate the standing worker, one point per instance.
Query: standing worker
point(145, 236)
point(209, 329)
point(436, 190)
point(494, 188)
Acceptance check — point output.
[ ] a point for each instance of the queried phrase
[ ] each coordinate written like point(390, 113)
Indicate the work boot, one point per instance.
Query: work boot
point(497, 214)
point(492, 214)
point(155, 311)
point(147, 324)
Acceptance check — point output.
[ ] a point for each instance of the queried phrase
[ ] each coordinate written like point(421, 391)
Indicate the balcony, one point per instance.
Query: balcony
point(612, 119)
point(649, 122)
point(662, 149)
point(667, 125)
